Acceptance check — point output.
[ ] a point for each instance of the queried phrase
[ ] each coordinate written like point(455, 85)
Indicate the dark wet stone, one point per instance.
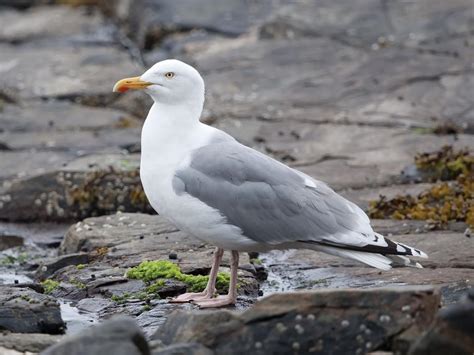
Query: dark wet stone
point(119, 336)
point(173, 256)
point(24, 311)
point(48, 267)
point(37, 287)
point(451, 332)
point(332, 321)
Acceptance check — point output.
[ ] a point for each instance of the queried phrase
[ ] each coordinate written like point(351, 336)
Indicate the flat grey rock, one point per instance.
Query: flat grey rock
point(54, 116)
point(45, 24)
point(60, 77)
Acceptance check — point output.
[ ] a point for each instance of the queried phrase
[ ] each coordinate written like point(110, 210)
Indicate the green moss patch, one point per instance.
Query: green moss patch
point(49, 285)
point(149, 271)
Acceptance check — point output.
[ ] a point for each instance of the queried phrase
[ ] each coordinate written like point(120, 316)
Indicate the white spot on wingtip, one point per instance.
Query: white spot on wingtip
point(309, 183)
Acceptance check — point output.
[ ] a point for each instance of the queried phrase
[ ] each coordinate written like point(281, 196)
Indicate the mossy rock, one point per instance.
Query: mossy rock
point(150, 271)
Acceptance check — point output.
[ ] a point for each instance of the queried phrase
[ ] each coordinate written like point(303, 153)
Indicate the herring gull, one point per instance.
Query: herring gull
point(236, 198)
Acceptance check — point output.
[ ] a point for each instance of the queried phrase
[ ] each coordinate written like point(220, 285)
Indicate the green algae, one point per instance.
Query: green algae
point(149, 271)
point(49, 285)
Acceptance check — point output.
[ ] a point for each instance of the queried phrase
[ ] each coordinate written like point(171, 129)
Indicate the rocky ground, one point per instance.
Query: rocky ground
point(347, 92)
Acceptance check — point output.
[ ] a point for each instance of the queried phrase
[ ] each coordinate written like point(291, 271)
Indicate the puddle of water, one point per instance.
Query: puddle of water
point(75, 320)
point(284, 275)
point(7, 278)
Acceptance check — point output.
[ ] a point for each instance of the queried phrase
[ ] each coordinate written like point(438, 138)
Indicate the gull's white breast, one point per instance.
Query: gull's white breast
point(165, 149)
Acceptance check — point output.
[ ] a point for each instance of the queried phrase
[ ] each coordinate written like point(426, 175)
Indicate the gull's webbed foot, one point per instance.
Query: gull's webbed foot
point(219, 301)
point(191, 296)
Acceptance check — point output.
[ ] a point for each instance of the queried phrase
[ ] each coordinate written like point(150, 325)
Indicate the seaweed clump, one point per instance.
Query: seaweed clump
point(442, 203)
point(445, 164)
point(155, 271)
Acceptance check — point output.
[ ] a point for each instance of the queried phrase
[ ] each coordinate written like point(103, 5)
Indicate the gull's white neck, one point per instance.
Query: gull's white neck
point(171, 132)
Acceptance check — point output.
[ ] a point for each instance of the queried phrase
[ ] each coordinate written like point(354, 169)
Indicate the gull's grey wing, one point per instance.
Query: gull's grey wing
point(272, 203)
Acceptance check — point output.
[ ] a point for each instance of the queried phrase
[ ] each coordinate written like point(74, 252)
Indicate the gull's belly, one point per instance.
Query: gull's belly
point(191, 215)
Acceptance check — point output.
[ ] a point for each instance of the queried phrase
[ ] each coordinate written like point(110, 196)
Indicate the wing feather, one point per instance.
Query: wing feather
point(273, 204)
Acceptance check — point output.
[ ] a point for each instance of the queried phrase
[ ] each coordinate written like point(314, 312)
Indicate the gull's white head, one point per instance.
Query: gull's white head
point(170, 82)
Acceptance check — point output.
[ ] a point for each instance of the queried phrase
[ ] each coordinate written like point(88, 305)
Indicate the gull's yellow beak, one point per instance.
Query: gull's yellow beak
point(130, 84)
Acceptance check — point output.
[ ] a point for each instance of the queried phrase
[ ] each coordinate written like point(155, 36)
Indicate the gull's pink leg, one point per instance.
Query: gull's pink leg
point(211, 284)
point(231, 297)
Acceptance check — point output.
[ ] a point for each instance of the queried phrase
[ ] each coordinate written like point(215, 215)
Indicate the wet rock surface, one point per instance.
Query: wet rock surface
point(309, 322)
point(346, 92)
point(117, 336)
point(23, 310)
point(451, 333)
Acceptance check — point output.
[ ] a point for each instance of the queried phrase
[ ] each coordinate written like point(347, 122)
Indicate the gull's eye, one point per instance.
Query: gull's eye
point(169, 75)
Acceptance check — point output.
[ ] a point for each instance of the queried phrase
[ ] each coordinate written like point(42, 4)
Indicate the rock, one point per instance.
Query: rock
point(353, 160)
point(451, 332)
point(120, 336)
point(9, 241)
point(124, 240)
point(20, 164)
point(153, 319)
point(88, 186)
point(149, 21)
point(369, 24)
point(60, 116)
point(47, 267)
point(448, 267)
point(93, 305)
point(45, 25)
point(24, 311)
point(76, 142)
point(184, 349)
point(59, 78)
point(45, 235)
point(33, 343)
point(21, 4)
point(331, 321)
point(131, 238)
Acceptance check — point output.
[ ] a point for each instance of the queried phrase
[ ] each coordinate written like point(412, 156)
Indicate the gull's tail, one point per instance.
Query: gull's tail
point(380, 257)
